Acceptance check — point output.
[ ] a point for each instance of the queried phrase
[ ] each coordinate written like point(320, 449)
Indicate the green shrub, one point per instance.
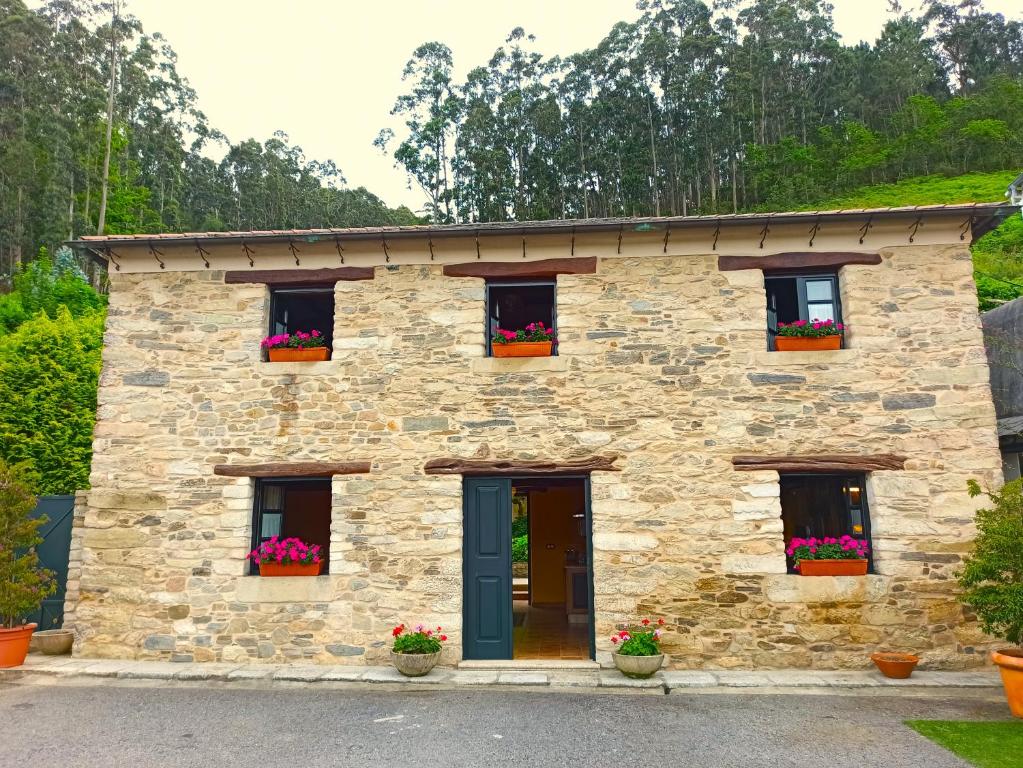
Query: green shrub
point(23, 584)
point(520, 549)
point(43, 285)
point(49, 369)
point(992, 578)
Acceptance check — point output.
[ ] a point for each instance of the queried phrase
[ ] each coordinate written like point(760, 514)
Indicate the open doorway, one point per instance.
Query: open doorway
point(526, 568)
point(550, 569)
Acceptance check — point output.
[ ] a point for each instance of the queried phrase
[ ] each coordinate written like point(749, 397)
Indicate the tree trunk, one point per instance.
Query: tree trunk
point(101, 225)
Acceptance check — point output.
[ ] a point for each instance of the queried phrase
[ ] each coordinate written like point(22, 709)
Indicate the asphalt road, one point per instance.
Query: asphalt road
point(81, 727)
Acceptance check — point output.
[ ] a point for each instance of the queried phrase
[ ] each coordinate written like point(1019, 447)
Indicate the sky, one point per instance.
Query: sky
point(327, 72)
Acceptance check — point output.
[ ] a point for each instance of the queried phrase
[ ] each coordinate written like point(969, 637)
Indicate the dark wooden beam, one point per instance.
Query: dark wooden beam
point(820, 463)
point(468, 467)
point(299, 277)
point(797, 260)
point(293, 469)
point(543, 268)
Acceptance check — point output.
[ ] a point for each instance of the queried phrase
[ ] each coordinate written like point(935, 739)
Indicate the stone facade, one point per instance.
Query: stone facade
point(661, 361)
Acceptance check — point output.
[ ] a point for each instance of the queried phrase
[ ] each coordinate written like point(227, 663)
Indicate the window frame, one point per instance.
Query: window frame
point(519, 283)
point(847, 478)
point(801, 277)
point(258, 511)
point(312, 288)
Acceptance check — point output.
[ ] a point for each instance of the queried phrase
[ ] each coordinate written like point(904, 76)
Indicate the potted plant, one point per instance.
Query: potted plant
point(287, 557)
point(416, 651)
point(897, 666)
point(532, 341)
point(803, 336)
point(23, 584)
point(297, 347)
point(637, 652)
point(829, 556)
point(992, 580)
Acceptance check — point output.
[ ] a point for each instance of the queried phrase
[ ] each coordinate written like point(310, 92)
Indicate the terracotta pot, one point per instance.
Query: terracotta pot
point(14, 645)
point(897, 666)
point(638, 667)
point(1010, 664)
point(53, 642)
point(414, 664)
point(290, 569)
point(856, 567)
point(806, 343)
point(523, 349)
point(296, 355)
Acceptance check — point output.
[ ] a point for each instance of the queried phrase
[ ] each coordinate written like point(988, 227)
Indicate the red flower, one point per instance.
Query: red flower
point(660, 622)
point(443, 638)
point(646, 622)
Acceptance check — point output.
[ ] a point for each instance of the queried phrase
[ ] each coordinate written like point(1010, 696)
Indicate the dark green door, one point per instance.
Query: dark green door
point(487, 569)
point(54, 553)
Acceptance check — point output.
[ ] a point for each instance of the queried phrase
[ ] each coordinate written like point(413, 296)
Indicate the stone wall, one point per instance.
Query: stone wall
point(661, 361)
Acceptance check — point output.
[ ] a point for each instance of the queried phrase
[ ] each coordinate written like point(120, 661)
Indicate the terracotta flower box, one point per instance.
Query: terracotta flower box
point(296, 355)
point(833, 567)
point(289, 569)
point(523, 349)
point(287, 557)
point(807, 343)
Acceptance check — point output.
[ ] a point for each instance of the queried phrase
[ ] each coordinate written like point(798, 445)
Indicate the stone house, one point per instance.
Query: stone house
point(661, 457)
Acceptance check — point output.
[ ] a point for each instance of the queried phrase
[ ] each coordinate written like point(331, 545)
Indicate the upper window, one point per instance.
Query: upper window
point(511, 306)
point(305, 310)
point(800, 297)
point(824, 505)
point(293, 508)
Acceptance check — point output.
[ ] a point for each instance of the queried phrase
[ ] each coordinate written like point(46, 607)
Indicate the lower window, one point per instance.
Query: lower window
point(288, 508)
point(825, 505)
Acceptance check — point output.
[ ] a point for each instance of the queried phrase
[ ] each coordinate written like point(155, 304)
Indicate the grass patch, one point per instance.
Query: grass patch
point(985, 744)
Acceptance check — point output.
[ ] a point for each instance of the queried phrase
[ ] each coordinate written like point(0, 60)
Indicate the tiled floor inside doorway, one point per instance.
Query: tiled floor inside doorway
point(545, 633)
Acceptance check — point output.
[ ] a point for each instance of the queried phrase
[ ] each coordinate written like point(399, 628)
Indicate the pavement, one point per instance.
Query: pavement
point(580, 677)
point(86, 723)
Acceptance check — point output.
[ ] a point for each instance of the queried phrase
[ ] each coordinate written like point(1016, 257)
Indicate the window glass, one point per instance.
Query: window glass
point(820, 312)
point(303, 309)
point(824, 505)
point(818, 290)
point(293, 508)
point(512, 306)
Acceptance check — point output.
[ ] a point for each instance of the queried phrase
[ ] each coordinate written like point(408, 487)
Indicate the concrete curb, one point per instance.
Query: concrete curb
point(63, 668)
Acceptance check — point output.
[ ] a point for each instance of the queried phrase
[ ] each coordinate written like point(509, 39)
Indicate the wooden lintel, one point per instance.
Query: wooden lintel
point(545, 268)
point(796, 260)
point(293, 469)
point(298, 277)
point(470, 467)
point(820, 463)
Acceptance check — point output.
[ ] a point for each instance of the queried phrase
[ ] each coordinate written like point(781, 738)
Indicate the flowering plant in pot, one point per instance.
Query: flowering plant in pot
point(416, 651)
point(992, 581)
point(637, 650)
point(23, 583)
point(804, 336)
point(296, 347)
point(829, 556)
point(532, 341)
point(287, 557)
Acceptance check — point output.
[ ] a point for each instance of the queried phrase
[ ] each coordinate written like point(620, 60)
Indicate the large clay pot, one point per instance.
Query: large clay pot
point(296, 355)
point(53, 642)
point(638, 667)
point(857, 567)
point(897, 666)
point(414, 664)
point(14, 645)
point(1010, 664)
point(290, 569)
point(806, 343)
point(523, 349)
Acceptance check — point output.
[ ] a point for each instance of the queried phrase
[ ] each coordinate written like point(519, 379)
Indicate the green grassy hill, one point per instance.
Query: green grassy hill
point(997, 257)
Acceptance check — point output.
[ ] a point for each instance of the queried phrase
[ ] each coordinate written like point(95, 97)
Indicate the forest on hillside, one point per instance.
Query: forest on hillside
point(700, 108)
point(72, 69)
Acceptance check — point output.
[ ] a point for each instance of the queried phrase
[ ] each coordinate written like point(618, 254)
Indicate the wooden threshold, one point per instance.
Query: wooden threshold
point(820, 463)
point(524, 468)
point(796, 260)
point(293, 469)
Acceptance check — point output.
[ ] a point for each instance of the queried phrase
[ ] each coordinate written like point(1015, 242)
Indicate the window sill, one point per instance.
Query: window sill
point(284, 589)
point(519, 364)
point(823, 357)
point(794, 588)
point(318, 366)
